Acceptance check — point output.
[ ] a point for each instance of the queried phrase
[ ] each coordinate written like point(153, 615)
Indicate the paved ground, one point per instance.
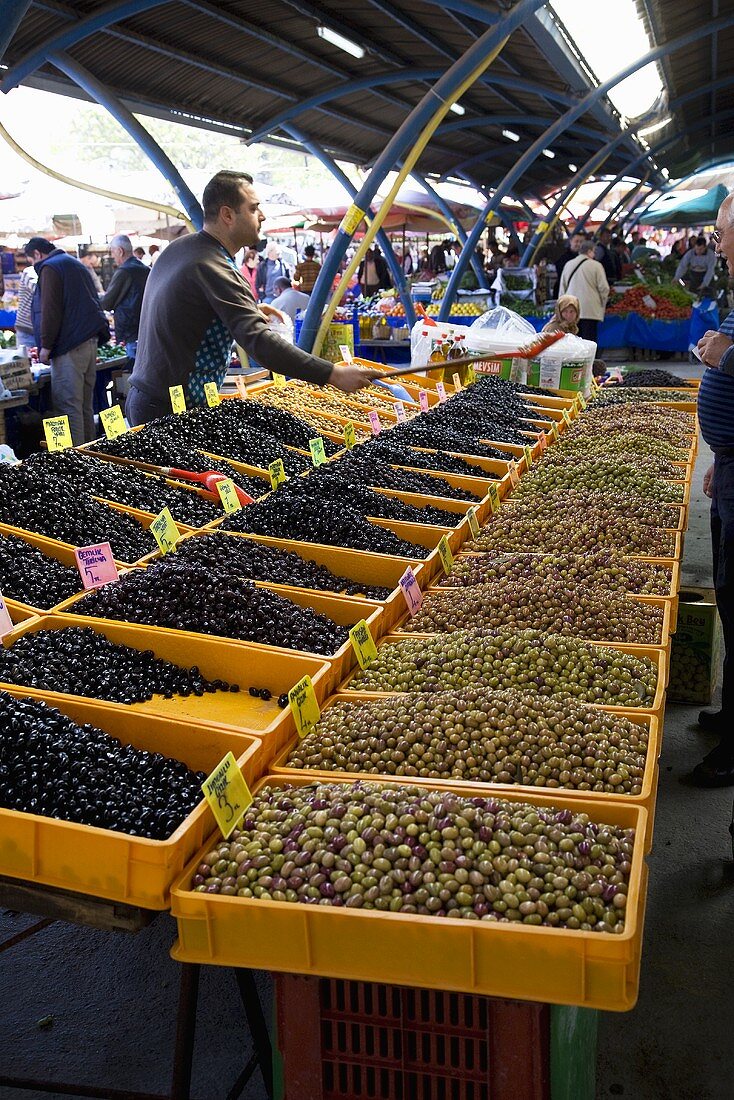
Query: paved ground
point(108, 1001)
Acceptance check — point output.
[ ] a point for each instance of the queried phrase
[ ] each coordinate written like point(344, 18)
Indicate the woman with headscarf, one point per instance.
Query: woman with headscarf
point(566, 316)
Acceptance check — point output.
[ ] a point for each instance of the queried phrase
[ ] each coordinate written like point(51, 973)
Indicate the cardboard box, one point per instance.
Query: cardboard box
point(15, 369)
point(696, 649)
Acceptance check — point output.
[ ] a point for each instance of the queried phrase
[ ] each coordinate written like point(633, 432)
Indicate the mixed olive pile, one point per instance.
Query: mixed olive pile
point(573, 502)
point(603, 569)
point(636, 443)
point(615, 395)
point(598, 474)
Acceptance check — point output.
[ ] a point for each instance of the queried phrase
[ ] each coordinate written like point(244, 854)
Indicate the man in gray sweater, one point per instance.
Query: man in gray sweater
point(196, 303)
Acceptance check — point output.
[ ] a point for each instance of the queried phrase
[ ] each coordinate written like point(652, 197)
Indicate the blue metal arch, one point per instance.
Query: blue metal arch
point(447, 212)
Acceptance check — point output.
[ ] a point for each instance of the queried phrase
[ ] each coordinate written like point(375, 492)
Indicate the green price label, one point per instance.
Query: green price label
point(318, 454)
point(277, 473)
point(528, 456)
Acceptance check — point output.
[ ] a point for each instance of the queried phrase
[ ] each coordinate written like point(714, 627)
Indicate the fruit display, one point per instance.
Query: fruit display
point(66, 514)
point(375, 472)
point(652, 464)
point(335, 483)
point(615, 395)
point(387, 449)
point(603, 569)
point(427, 853)
point(79, 661)
point(186, 597)
point(125, 485)
point(224, 554)
point(596, 474)
point(526, 660)
point(669, 303)
point(479, 736)
point(329, 522)
point(458, 309)
point(151, 447)
point(96, 779)
point(655, 378)
point(32, 577)
point(518, 604)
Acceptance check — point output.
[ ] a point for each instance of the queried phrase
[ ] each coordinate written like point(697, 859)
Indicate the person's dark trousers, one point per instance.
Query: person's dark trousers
point(588, 329)
point(140, 408)
point(722, 544)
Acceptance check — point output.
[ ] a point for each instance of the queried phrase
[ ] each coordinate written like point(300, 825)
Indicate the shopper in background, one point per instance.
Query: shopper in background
point(139, 254)
point(607, 257)
point(585, 278)
point(124, 296)
point(565, 316)
point(697, 268)
point(570, 253)
point(24, 337)
point(716, 416)
point(372, 274)
point(68, 324)
point(288, 300)
point(89, 259)
point(249, 270)
point(154, 252)
point(621, 251)
point(270, 269)
point(307, 271)
point(196, 303)
point(642, 252)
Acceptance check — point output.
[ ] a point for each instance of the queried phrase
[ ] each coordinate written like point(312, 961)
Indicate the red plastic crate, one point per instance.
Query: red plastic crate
point(343, 1040)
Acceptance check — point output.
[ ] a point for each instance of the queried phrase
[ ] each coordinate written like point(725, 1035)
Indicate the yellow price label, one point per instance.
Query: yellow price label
point(471, 374)
point(228, 795)
point(279, 380)
point(566, 417)
point(351, 220)
point(113, 422)
point(528, 456)
point(228, 495)
point(444, 553)
point(178, 401)
point(494, 498)
point(211, 392)
point(304, 707)
point(164, 531)
point(363, 643)
point(58, 433)
point(277, 473)
point(582, 401)
point(350, 435)
point(471, 515)
point(542, 441)
point(514, 474)
point(554, 433)
point(239, 381)
point(318, 454)
point(457, 382)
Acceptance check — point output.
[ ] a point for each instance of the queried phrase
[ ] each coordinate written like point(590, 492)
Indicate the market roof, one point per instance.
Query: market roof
point(239, 66)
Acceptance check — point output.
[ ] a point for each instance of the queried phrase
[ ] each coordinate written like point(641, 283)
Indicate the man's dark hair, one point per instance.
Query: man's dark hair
point(701, 240)
point(309, 251)
point(281, 283)
point(39, 244)
point(223, 190)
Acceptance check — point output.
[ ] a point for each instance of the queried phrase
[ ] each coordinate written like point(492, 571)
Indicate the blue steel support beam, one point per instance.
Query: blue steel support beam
point(559, 127)
point(447, 212)
point(13, 12)
point(632, 197)
point(406, 137)
point(138, 133)
point(396, 269)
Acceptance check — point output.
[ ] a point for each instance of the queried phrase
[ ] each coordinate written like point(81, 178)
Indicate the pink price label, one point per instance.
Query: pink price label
point(441, 391)
point(400, 410)
point(411, 591)
point(423, 398)
point(375, 422)
point(96, 564)
point(6, 623)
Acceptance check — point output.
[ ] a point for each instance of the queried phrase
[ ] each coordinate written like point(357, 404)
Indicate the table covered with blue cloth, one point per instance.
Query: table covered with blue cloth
point(640, 332)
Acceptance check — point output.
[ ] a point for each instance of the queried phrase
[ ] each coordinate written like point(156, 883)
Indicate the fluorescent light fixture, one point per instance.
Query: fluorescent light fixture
point(510, 135)
point(666, 173)
point(573, 168)
point(455, 179)
point(549, 154)
point(457, 109)
point(340, 41)
point(655, 127)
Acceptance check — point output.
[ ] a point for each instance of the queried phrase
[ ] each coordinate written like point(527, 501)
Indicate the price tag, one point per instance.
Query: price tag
point(471, 374)
point(471, 515)
point(318, 454)
point(441, 391)
point(411, 590)
point(514, 474)
point(178, 401)
point(364, 643)
point(278, 380)
point(543, 441)
point(582, 401)
point(164, 531)
point(494, 498)
point(375, 422)
point(6, 623)
point(444, 553)
point(554, 433)
point(96, 564)
point(228, 495)
point(400, 412)
point(457, 382)
point(227, 794)
point(346, 353)
point(239, 381)
point(566, 418)
point(304, 707)
point(528, 456)
point(211, 392)
point(113, 422)
point(350, 436)
point(58, 433)
point(277, 473)
point(423, 398)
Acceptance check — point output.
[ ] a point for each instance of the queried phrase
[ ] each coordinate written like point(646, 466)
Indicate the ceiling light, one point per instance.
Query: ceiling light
point(666, 173)
point(510, 135)
point(340, 41)
point(457, 109)
point(549, 154)
point(654, 128)
point(573, 168)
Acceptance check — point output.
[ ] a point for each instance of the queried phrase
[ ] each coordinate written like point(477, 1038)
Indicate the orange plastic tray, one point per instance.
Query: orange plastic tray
point(554, 966)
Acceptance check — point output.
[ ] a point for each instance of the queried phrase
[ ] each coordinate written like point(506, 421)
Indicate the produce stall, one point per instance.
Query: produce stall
point(322, 700)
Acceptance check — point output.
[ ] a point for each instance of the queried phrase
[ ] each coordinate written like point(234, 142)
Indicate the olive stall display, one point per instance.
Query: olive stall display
point(81, 661)
point(573, 502)
point(624, 395)
point(329, 522)
point(411, 850)
point(596, 474)
point(33, 577)
point(479, 736)
point(97, 780)
point(304, 401)
point(526, 660)
point(652, 377)
point(651, 463)
point(188, 597)
point(155, 449)
point(335, 483)
point(373, 471)
point(636, 443)
point(386, 448)
point(603, 569)
point(223, 553)
point(58, 510)
point(421, 433)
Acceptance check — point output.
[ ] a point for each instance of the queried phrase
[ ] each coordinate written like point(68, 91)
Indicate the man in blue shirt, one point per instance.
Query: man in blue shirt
point(124, 295)
point(716, 417)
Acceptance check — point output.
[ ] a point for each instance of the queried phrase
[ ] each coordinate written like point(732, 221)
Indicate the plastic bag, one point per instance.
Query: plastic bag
point(567, 365)
point(503, 322)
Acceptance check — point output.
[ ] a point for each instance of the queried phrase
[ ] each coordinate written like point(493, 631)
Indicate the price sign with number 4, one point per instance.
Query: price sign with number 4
point(304, 706)
point(363, 643)
point(444, 553)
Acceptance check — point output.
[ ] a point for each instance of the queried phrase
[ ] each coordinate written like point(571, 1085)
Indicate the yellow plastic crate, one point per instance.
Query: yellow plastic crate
point(108, 864)
point(555, 966)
